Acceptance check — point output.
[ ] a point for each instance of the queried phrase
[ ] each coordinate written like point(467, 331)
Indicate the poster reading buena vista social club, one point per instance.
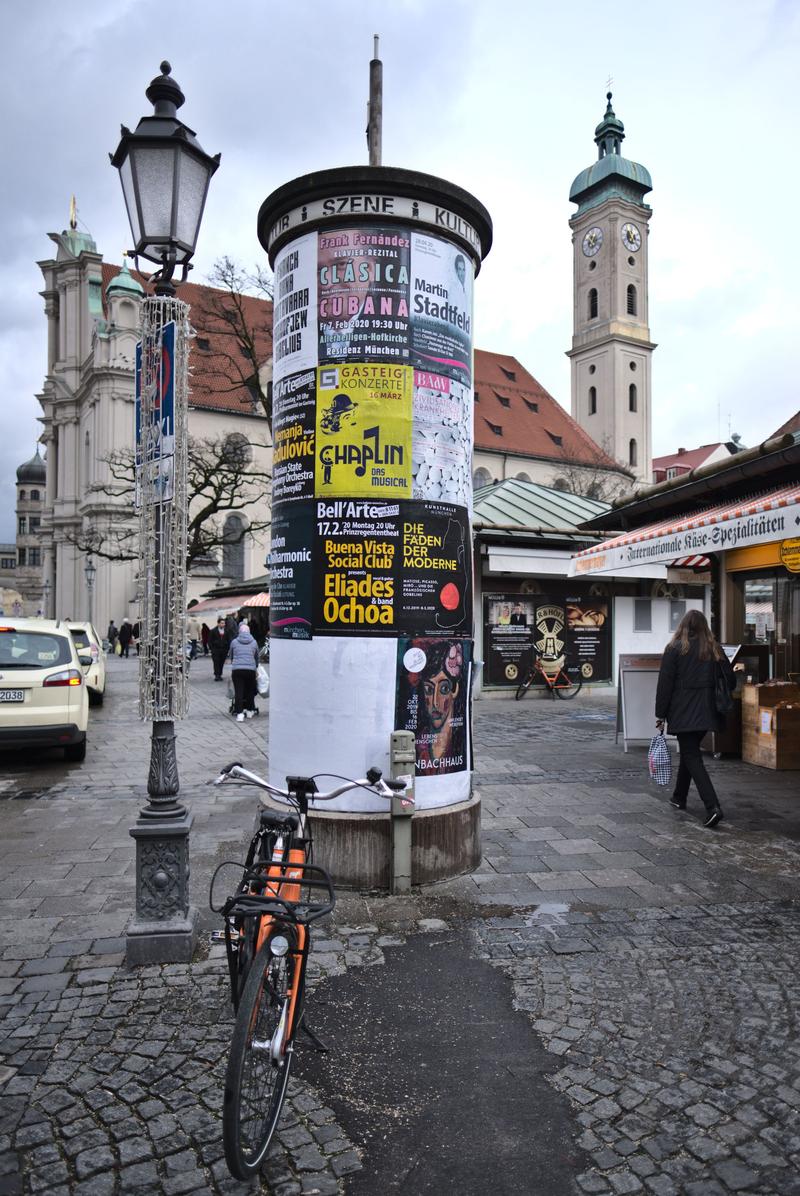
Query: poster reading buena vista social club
point(372, 425)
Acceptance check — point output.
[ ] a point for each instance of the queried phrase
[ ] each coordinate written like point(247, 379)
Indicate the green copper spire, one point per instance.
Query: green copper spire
point(611, 176)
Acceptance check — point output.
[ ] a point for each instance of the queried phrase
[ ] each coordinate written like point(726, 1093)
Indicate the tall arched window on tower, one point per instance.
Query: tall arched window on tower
point(632, 397)
point(233, 547)
point(592, 400)
point(632, 454)
point(632, 308)
point(593, 303)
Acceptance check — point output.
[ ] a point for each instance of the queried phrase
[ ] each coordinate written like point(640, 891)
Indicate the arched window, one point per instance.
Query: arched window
point(22, 496)
point(592, 400)
point(632, 455)
point(87, 458)
point(233, 547)
point(236, 452)
point(632, 300)
point(632, 397)
point(593, 303)
point(481, 477)
point(35, 495)
point(523, 477)
point(560, 484)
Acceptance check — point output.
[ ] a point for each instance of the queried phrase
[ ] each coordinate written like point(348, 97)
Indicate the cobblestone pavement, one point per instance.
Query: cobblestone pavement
point(657, 961)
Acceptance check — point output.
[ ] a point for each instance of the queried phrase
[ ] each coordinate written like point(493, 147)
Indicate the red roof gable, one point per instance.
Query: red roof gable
point(792, 425)
point(687, 458)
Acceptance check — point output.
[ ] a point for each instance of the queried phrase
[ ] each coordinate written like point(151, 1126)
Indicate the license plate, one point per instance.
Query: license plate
point(12, 695)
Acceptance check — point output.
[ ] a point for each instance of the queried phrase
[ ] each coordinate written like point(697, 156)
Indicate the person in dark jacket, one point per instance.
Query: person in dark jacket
point(244, 662)
point(125, 636)
point(685, 699)
point(218, 643)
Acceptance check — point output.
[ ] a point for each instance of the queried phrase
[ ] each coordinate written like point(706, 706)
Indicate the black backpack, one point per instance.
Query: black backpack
point(722, 694)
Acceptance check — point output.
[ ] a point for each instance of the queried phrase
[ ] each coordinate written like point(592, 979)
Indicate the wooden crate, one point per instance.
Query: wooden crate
point(773, 739)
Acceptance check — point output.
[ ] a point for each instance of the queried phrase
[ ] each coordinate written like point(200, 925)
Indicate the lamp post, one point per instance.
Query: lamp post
point(165, 175)
point(90, 573)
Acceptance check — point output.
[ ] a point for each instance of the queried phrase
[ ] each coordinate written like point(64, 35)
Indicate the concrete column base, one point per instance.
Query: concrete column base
point(161, 942)
point(356, 848)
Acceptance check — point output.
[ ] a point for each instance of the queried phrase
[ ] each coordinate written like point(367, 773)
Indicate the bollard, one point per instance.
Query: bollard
point(402, 763)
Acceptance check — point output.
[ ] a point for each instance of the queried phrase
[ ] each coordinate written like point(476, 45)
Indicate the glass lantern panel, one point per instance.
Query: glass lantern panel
point(126, 178)
point(154, 167)
point(193, 187)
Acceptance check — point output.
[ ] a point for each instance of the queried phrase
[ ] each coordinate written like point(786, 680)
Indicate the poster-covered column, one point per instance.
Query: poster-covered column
point(371, 553)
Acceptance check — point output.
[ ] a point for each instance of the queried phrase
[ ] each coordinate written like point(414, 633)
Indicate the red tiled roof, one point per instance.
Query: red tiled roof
point(531, 422)
point(690, 459)
point(513, 412)
point(217, 363)
point(792, 425)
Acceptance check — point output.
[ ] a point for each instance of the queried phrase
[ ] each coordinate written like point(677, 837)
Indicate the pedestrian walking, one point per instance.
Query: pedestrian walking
point(137, 632)
point(244, 662)
point(218, 643)
point(691, 666)
point(205, 631)
point(125, 637)
point(232, 627)
point(111, 636)
point(193, 635)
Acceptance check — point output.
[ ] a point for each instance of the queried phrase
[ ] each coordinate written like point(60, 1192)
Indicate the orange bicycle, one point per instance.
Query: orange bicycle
point(552, 673)
point(267, 937)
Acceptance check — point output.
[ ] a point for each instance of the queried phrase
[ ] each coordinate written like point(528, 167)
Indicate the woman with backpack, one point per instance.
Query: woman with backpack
point(694, 681)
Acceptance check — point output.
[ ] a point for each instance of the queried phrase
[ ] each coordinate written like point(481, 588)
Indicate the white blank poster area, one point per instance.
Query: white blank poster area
point(638, 700)
point(332, 710)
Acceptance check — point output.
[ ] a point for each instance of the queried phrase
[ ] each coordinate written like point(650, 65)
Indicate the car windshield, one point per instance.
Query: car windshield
point(32, 649)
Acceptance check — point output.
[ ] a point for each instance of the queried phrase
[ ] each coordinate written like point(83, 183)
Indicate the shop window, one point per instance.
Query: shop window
point(593, 303)
point(592, 400)
point(632, 397)
point(642, 614)
point(677, 609)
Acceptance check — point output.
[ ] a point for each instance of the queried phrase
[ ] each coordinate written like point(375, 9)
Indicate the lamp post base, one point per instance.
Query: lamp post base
point(164, 928)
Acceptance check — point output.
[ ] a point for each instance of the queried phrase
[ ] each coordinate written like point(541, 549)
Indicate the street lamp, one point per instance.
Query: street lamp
point(90, 573)
point(165, 176)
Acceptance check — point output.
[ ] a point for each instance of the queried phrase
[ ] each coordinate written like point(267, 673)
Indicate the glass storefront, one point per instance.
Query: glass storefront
point(770, 616)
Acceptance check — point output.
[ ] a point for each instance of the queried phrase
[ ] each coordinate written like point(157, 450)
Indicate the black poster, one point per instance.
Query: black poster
point(589, 637)
point(291, 571)
point(436, 569)
point(508, 623)
point(576, 631)
point(294, 400)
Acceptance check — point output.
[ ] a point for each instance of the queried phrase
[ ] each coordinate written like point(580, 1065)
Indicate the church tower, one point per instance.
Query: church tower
point(611, 348)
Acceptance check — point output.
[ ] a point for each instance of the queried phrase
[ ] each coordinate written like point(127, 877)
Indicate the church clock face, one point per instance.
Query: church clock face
point(631, 237)
point(592, 241)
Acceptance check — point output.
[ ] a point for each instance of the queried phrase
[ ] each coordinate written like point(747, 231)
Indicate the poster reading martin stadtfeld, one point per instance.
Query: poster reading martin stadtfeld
point(441, 307)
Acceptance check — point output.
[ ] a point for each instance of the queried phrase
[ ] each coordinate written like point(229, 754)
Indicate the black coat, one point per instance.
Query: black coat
point(218, 642)
point(685, 693)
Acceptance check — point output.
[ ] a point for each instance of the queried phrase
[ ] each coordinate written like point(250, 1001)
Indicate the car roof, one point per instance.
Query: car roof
point(10, 623)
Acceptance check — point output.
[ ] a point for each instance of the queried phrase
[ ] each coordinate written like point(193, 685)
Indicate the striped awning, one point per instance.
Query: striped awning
point(760, 519)
point(256, 600)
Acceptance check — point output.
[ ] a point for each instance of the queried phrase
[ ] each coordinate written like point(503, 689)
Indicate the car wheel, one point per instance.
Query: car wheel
point(75, 752)
point(95, 698)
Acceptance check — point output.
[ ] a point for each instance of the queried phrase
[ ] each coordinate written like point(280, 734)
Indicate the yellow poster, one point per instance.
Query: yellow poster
point(363, 433)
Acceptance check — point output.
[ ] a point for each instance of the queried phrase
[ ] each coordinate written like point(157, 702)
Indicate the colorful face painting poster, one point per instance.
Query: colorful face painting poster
point(362, 309)
point(442, 452)
point(441, 308)
point(294, 328)
point(363, 431)
point(433, 678)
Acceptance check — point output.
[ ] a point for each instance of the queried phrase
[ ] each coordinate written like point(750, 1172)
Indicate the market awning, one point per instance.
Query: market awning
point(761, 519)
point(220, 606)
point(256, 600)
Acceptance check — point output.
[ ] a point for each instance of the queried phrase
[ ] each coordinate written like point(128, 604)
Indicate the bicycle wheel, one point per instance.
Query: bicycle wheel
point(525, 684)
point(568, 685)
point(255, 1082)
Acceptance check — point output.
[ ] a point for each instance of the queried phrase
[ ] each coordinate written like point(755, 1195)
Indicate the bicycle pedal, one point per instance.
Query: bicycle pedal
point(217, 936)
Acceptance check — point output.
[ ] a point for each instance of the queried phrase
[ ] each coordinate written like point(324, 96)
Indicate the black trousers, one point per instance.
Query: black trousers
point(692, 768)
point(244, 689)
point(218, 660)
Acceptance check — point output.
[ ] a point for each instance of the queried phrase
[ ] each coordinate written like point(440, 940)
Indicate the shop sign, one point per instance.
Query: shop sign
point(790, 554)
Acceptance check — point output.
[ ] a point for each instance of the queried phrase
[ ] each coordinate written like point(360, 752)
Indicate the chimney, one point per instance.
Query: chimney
point(681, 452)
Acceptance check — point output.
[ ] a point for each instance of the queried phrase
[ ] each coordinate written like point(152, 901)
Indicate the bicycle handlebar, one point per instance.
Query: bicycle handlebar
point(373, 783)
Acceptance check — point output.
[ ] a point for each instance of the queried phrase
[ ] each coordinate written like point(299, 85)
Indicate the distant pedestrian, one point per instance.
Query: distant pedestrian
point(205, 631)
point(244, 662)
point(685, 698)
point(219, 644)
point(111, 635)
point(137, 632)
point(125, 637)
point(193, 635)
point(232, 627)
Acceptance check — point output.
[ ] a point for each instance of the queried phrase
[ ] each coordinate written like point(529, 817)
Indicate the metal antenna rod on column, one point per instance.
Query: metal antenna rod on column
point(375, 108)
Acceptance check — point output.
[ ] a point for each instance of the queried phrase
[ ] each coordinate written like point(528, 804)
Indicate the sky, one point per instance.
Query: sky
point(503, 100)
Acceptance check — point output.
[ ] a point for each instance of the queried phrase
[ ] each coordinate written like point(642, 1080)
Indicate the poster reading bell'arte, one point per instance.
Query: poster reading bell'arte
point(432, 688)
point(441, 308)
point(293, 431)
point(363, 431)
point(294, 328)
point(362, 277)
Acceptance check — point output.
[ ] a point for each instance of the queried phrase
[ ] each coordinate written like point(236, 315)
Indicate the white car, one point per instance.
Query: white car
point(44, 700)
point(88, 643)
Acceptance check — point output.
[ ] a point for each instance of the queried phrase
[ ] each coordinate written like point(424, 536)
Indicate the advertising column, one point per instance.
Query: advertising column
point(370, 561)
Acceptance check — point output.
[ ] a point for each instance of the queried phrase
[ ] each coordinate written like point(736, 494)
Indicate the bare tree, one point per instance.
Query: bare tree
point(237, 314)
point(596, 475)
point(222, 480)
